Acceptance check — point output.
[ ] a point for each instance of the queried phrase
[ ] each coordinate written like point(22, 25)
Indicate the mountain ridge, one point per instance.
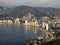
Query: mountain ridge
point(20, 11)
point(23, 10)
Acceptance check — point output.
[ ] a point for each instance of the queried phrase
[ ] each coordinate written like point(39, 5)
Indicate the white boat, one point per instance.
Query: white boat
point(39, 38)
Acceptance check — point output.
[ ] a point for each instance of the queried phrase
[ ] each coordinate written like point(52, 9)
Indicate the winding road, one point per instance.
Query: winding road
point(48, 33)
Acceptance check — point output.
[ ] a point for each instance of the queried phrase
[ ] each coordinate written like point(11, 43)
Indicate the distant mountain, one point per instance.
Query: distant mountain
point(37, 11)
point(20, 11)
point(4, 11)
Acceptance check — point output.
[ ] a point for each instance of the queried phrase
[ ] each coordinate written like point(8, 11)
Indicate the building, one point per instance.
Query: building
point(9, 21)
point(46, 26)
point(27, 23)
point(45, 19)
point(28, 16)
point(4, 21)
point(0, 21)
point(17, 21)
point(33, 22)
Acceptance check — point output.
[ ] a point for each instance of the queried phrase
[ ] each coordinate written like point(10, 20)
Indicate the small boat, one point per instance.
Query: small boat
point(39, 38)
point(29, 39)
point(33, 39)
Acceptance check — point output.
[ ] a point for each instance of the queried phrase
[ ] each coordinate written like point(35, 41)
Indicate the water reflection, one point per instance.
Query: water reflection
point(13, 33)
point(35, 31)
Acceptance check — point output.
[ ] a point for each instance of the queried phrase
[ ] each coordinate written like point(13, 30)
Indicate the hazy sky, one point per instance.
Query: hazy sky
point(43, 3)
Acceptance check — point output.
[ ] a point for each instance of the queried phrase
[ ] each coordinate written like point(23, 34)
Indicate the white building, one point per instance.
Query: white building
point(31, 23)
point(47, 26)
point(4, 21)
point(9, 21)
point(17, 21)
point(0, 21)
point(27, 23)
point(35, 22)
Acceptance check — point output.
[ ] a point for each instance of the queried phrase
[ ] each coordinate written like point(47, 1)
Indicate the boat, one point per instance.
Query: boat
point(33, 39)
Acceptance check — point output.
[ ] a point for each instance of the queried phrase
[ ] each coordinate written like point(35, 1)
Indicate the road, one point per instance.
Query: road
point(48, 33)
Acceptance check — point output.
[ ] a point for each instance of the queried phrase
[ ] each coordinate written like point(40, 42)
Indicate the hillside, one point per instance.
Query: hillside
point(4, 12)
point(20, 11)
point(37, 11)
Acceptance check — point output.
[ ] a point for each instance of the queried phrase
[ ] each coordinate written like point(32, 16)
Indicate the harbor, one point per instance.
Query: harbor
point(27, 29)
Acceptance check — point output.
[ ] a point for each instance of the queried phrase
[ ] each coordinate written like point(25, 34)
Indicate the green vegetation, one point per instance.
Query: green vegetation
point(20, 11)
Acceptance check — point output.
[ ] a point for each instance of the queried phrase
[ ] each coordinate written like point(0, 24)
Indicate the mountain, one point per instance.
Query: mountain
point(4, 11)
point(37, 11)
point(20, 11)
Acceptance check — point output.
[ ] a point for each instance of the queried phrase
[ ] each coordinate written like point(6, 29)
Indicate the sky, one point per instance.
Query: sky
point(34, 3)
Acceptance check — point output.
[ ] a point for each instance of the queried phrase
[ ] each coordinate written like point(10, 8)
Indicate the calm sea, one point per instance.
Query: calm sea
point(13, 34)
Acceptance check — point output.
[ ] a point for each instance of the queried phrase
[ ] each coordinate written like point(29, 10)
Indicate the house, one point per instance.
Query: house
point(0, 21)
point(9, 21)
point(17, 21)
